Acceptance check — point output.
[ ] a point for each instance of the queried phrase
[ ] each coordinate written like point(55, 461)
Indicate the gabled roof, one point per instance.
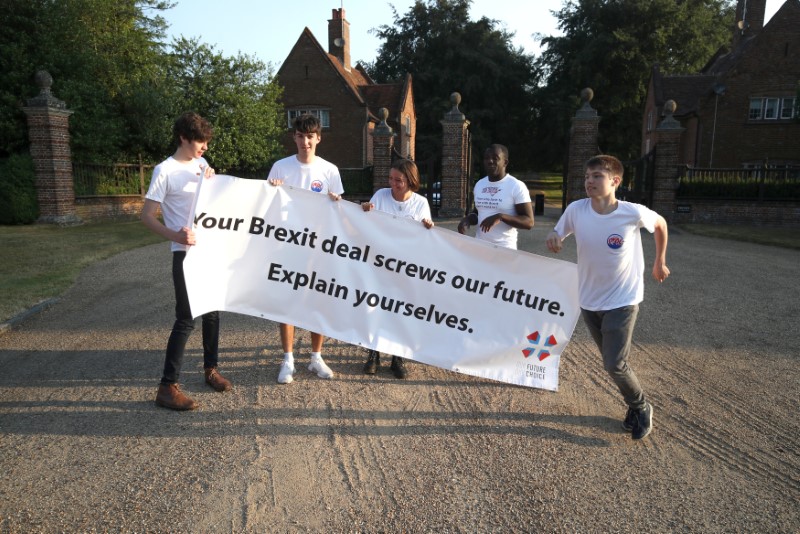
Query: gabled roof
point(685, 90)
point(359, 84)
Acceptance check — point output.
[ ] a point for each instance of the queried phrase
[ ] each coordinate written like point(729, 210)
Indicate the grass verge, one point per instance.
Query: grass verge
point(42, 261)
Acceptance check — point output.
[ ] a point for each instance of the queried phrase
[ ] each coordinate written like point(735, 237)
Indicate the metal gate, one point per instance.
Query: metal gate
point(637, 182)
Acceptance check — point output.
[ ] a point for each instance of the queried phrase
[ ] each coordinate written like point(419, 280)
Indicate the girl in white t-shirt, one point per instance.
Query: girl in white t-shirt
point(400, 199)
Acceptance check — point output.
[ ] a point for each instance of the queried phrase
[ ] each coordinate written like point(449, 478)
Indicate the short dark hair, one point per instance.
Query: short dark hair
point(502, 148)
point(191, 127)
point(607, 163)
point(307, 123)
point(410, 171)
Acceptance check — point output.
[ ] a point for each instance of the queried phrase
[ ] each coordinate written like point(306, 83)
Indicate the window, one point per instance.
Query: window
point(755, 109)
point(787, 108)
point(650, 121)
point(771, 108)
point(323, 115)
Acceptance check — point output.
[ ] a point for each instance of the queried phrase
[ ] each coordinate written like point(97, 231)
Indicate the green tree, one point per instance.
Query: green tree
point(445, 51)
point(102, 54)
point(237, 95)
point(611, 46)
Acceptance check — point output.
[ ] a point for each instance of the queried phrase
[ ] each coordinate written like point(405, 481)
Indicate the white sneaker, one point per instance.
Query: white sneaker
point(319, 367)
point(286, 372)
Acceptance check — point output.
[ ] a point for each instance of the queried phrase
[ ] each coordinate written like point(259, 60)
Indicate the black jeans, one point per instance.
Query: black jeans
point(184, 325)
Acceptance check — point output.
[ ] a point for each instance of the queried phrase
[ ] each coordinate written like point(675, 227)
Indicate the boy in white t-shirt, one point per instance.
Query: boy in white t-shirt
point(305, 170)
point(611, 274)
point(502, 202)
point(173, 188)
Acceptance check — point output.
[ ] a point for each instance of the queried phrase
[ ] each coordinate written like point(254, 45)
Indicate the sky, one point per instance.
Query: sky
point(268, 29)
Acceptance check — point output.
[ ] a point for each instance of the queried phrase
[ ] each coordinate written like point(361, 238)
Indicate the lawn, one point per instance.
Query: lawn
point(41, 261)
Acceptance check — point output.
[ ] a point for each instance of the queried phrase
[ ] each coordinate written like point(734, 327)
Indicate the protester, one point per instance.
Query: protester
point(611, 275)
point(305, 170)
point(172, 189)
point(400, 199)
point(502, 202)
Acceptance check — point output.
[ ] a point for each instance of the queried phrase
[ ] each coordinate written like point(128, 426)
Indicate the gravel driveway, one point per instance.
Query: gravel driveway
point(84, 448)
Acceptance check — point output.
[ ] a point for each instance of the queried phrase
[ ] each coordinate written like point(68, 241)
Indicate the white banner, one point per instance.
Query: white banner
point(381, 282)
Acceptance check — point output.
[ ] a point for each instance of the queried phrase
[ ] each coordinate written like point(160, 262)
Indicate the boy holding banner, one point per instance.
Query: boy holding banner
point(611, 274)
point(305, 170)
point(173, 188)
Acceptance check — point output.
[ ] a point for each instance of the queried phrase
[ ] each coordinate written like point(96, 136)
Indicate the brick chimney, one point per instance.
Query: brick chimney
point(749, 19)
point(339, 37)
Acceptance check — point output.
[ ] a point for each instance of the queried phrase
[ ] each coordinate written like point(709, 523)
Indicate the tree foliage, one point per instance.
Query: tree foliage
point(447, 52)
point(125, 85)
point(237, 95)
point(611, 46)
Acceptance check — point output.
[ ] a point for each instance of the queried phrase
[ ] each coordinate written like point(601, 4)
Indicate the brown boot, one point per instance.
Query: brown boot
point(170, 396)
point(216, 380)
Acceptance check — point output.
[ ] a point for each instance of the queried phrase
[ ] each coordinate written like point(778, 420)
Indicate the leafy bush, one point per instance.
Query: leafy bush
point(18, 203)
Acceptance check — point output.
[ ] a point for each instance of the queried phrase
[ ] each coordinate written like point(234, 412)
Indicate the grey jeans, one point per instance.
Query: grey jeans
point(612, 330)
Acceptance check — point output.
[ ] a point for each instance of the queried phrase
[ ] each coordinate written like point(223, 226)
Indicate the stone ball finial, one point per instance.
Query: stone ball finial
point(43, 80)
point(670, 106)
point(455, 99)
point(383, 114)
point(587, 94)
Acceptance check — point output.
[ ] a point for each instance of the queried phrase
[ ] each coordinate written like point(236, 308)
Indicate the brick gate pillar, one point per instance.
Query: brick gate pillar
point(455, 161)
point(48, 132)
point(582, 146)
point(382, 144)
point(667, 160)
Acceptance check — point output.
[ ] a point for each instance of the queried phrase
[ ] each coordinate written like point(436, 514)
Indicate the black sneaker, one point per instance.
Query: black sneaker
point(644, 421)
point(399, 367)
point(630, 420)
point(373, 359)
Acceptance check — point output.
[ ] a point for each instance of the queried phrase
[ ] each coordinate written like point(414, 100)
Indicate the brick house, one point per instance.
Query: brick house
point(345, 98)
point(740, 110)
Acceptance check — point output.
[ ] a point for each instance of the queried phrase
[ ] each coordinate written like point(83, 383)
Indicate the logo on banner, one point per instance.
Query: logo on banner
point(541, 346)
point(316, 186)
point(614, 241)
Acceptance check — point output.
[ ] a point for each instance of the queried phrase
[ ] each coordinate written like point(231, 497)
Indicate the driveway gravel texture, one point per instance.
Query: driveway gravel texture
point(83, 447)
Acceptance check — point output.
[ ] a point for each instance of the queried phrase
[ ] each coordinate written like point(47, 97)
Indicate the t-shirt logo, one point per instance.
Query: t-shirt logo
point(615, 241)
point(491, 190)
point(316, 186)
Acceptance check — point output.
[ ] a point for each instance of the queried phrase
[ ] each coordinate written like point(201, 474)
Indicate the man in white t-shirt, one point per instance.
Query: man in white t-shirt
point(611, 275)
point(173, 189)
point(305, 170)
point(502, 202)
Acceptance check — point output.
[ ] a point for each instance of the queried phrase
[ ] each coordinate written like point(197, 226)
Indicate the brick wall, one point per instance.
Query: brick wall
point(99, 208)
point(785, 214)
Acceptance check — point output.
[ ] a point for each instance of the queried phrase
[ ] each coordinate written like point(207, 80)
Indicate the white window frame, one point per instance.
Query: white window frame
point(756, 109)
point(324, 116)
point(787, 108)
point(771, 108)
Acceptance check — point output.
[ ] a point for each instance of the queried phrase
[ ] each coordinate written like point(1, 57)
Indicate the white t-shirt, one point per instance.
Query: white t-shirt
point(501, 196)
point(319, 176)
point(174, 185)
point(610, 257)
point(416, 207)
